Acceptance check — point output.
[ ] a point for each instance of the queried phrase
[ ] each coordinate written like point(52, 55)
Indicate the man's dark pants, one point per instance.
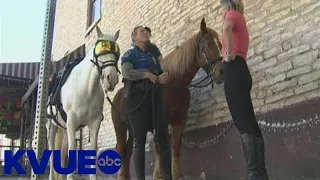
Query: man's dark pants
point(147, 117)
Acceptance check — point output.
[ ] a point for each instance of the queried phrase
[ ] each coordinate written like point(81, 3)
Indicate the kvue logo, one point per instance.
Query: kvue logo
point(109, 161)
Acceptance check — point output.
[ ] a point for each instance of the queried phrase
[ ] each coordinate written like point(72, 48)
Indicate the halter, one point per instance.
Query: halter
point(208, 66)
point(103, 47)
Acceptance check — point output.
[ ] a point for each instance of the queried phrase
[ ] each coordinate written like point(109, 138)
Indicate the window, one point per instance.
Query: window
point(94, 11)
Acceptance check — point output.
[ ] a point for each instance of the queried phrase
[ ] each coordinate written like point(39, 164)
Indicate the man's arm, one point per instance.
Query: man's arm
point(131, 74)
point(127, 67)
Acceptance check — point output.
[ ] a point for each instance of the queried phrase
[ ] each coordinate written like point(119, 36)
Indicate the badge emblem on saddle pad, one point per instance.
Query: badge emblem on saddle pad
point(105, 46)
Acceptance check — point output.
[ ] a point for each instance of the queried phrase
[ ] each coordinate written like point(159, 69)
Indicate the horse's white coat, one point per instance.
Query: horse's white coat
point(82, 97)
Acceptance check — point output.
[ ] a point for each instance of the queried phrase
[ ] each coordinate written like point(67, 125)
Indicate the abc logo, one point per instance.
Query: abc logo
point(109, 162)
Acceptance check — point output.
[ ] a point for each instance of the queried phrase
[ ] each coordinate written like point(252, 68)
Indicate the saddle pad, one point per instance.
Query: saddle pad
point(60, 79)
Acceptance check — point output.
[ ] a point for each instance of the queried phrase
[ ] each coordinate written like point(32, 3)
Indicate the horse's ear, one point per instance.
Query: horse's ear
point(116, 35)
point(99, 33)
point(203, 26)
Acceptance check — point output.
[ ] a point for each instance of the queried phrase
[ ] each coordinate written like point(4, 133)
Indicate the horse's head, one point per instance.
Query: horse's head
point(106, 55)
point(209, 52)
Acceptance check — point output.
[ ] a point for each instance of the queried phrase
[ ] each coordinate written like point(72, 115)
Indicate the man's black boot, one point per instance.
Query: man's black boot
point(139, 160)
point(165, 164)
point(163, 149)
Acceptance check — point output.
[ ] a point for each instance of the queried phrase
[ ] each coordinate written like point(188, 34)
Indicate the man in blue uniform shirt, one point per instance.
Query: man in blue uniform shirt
point(143, 78)
point(152, 48)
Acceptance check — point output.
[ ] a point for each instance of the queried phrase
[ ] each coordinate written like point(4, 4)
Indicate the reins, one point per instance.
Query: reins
point(136, 108)
point(155, 111)
point(201, 86)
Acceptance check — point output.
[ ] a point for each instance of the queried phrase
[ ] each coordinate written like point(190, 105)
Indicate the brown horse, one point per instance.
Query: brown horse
point(200, 51)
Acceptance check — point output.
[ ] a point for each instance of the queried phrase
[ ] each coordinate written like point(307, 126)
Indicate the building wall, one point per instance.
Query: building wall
point(283, 56)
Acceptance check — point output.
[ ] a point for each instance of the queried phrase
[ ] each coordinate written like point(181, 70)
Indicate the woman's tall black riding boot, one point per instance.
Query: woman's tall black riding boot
point(253, 149)
point(261, 155)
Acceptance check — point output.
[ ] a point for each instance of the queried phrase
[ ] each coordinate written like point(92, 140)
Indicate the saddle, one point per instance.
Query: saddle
point(57, 80)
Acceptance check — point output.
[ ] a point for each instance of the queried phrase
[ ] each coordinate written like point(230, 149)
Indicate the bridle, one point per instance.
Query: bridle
point(103, 47)
point(208, 66)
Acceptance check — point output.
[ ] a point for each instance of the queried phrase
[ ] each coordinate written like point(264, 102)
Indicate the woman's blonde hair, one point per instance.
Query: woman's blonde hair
point(235, 5)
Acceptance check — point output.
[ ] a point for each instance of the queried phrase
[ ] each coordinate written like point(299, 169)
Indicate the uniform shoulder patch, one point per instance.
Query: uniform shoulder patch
point(129, 56)
point(128, 53)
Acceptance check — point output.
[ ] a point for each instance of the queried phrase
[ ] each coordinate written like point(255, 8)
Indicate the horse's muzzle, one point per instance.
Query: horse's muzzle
point(110, 88)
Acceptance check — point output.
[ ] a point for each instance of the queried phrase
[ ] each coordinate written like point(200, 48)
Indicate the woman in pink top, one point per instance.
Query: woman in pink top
point(237, 86)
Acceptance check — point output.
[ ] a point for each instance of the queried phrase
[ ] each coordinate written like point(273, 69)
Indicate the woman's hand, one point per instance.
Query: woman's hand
point(228, 58)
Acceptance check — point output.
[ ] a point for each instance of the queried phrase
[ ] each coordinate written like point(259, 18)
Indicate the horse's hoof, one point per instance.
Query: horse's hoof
point(63, 177)
point(180, 177)
point(93, 177)
point(70, 177)
point(123, 178)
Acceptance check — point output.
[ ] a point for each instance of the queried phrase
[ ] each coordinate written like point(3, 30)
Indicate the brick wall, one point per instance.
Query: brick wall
point(283, 55)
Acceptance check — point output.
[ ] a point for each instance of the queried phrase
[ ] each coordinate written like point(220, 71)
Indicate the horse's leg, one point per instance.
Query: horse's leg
point(51, 136)
point(58, 145)
point(123, 147)
point(64, 152)
point(129, 152)
point(125, 153)
point(71, 131)
point(94, 127)
point(177, 132)
point(157, 170)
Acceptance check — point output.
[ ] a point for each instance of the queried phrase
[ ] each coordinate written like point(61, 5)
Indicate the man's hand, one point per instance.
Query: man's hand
point(153, 78)
point(164, 78)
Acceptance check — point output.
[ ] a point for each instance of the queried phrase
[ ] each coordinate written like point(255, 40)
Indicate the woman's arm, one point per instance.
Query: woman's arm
point(227, 33)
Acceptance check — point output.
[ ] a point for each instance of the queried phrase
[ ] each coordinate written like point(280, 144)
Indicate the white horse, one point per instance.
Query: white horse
point(82, 98)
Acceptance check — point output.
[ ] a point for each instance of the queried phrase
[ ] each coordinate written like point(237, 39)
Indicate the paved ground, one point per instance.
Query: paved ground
point(112, 178)
point(80, 178)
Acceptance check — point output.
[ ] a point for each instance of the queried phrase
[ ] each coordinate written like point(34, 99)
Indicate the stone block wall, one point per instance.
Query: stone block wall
point(283, 56)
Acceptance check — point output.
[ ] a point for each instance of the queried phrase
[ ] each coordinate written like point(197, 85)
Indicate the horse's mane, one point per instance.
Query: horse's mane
point(181, 58)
